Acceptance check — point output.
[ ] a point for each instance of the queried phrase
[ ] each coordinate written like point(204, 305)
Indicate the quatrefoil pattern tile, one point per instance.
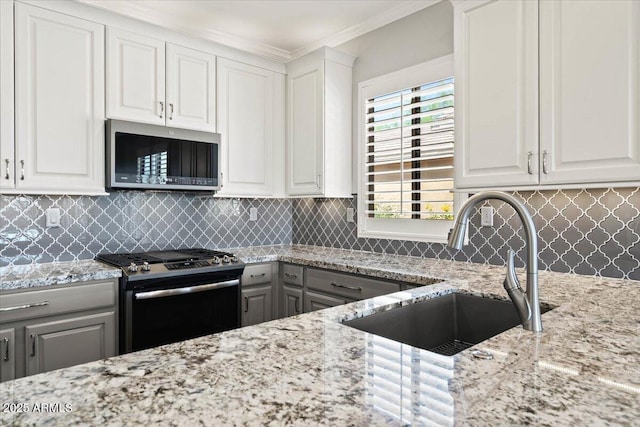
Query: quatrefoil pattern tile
point(591, 232)
point(134, 221)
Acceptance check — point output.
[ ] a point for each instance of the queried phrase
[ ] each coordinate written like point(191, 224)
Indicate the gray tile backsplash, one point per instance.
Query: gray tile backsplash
point(128, 221)
point(591, 232)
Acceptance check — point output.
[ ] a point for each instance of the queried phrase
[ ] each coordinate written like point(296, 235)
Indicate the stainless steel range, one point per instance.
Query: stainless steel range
point(173, 295)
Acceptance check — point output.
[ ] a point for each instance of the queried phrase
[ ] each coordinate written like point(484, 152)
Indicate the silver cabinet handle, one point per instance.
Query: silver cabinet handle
point(258, 275)
point(544, 162)
point(6, 349)
point(6, 176)
point(246, 304)
point(295, 305)
point(318, 181)
point(291, 275)
point(351, 288)
point(221, 179)
point(171, 111)
point(22, 307)
point(33, 345)
point(529, 156)
point(161, 108)
point(185, 290)
point(22, 171)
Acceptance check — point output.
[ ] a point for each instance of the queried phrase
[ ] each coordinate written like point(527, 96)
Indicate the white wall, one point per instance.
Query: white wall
point(417, 38)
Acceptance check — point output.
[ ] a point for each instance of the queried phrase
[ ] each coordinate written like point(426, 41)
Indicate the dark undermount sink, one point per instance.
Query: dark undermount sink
point(445, 325)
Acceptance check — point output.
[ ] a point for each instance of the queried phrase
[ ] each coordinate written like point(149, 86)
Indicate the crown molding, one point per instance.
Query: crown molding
point(370, 24)
point(138, 11)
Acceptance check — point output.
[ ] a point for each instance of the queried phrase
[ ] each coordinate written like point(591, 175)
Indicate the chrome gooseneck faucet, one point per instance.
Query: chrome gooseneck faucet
point(527, 303)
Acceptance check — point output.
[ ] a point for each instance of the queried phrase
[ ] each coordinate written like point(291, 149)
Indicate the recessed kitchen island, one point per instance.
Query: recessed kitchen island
point(310, 369)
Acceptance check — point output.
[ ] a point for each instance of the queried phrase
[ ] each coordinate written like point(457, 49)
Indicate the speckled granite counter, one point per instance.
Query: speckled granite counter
point(310, 369)
point(56, 273)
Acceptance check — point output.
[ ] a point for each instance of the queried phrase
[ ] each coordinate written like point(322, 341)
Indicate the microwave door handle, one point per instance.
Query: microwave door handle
point(186, 290)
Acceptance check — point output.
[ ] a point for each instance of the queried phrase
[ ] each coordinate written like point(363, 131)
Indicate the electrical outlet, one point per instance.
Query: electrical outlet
point(486, 216)
point(350, 215)
point(253, 214)
point(52, 217)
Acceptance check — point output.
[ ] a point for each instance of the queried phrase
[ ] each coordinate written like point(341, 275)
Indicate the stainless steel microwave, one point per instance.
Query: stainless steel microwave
point(150, 157)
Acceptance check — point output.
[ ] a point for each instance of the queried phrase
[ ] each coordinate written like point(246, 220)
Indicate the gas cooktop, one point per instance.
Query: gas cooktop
point(171, 262)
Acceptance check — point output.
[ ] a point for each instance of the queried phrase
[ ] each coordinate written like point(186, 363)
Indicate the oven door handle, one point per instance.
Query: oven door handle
point(187, 290)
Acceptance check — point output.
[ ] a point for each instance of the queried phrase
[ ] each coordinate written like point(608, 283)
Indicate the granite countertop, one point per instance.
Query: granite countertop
point(310, 369)
point(56, 273)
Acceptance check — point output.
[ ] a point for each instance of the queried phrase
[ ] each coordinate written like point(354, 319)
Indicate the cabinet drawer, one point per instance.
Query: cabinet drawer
point(292, 274)
point(314, 301)
point(255, 274)
point(349, 286)
point(47, 302)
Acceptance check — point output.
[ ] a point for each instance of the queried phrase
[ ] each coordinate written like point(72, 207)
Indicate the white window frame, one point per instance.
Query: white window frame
point(434, 231)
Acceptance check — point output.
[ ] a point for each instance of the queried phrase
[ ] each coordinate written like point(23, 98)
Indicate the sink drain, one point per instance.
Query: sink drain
point(451, 348)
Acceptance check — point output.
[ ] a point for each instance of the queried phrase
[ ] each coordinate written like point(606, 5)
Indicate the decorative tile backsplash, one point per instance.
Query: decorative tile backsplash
point(127, 221)
point(591, 232)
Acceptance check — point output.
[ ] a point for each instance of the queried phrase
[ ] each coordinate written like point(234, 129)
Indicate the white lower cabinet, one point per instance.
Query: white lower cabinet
point(55, 327)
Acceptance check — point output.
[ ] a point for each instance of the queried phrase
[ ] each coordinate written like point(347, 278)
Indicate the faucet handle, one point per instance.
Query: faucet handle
point(512, 286)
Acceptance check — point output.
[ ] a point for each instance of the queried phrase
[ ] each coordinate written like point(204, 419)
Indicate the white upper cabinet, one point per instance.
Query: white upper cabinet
point(135, 77)
point(519, 60)
point(251, 124)
point(7, 156)
point(496, 79)
point(319, 91)
point(590, 91)
point(191, 88)
point(59, 91)
point(145, 85)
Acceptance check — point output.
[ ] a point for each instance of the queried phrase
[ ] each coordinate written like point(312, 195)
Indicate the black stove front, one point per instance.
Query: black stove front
point(182, 294)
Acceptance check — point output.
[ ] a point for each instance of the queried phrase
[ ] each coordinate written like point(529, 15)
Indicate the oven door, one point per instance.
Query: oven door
point(155, 317)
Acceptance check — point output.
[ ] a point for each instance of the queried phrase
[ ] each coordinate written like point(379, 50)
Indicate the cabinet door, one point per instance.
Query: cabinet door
point(314, 301)
point(246, 124)
point(496, 91)
point(7, 355)
point(305, 155)
point(7, 165)
point(256, 305)
point(135, 77)
point(59, 102)
point(64, 343)
point(590, 91)
point(291, 301)
point(191, 88)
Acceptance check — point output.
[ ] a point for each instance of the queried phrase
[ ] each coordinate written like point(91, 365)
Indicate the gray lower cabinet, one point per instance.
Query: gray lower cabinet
point(256, 305)
point(56, 326)
point(291, 300)
point(315, 301)
point(63, 343)
point(7, 354)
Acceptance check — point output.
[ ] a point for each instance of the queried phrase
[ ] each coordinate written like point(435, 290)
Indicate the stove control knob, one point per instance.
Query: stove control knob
point(215, 260)
point(133, 267)
point(146, 266)
point(226, 259)
point(234, 258)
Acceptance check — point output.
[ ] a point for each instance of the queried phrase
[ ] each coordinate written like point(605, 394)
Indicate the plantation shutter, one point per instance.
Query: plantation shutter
point(409, 153)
